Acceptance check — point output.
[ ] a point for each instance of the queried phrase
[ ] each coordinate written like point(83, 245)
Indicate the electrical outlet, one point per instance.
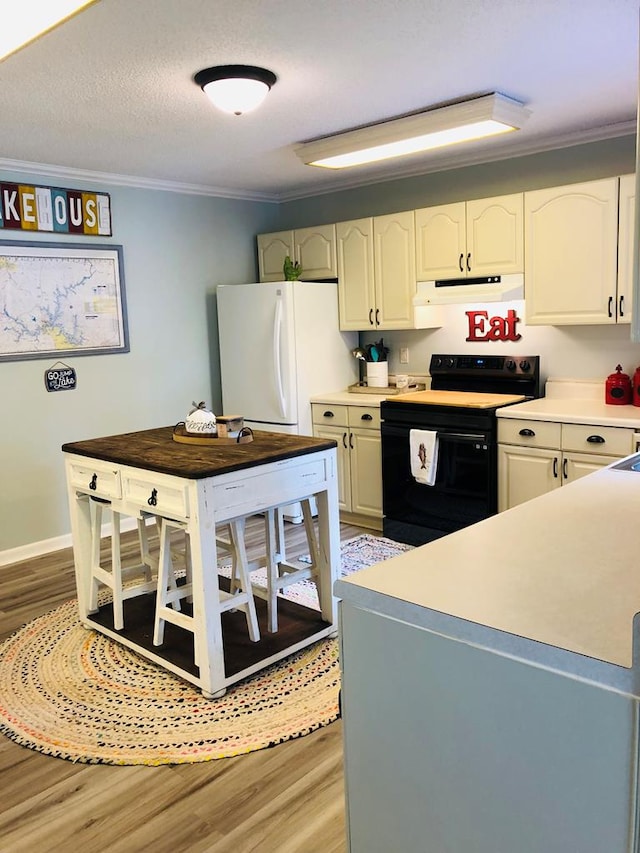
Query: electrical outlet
point(404, 355)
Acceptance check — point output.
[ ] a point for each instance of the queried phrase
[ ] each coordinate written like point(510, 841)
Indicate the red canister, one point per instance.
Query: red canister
point(618, 388)
point(635, 393)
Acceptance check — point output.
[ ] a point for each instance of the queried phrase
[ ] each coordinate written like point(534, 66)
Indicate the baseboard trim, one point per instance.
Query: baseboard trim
point(57, 543)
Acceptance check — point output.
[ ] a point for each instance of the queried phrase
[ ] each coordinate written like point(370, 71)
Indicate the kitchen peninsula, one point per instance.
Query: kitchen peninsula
point(201, 487)
point(491, 682)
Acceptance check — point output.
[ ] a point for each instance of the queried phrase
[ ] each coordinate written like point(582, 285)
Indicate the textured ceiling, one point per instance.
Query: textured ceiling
point(111, 90)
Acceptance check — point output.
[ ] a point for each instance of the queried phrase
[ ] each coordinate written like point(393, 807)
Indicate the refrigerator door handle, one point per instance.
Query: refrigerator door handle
point(277, 363)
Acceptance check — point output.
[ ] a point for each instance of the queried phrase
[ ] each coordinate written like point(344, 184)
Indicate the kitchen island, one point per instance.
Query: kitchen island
point(202, 487)
point(491, 682)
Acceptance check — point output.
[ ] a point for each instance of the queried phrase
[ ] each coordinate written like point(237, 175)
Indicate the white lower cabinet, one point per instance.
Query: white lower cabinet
point(535, 457)
point(356, 429)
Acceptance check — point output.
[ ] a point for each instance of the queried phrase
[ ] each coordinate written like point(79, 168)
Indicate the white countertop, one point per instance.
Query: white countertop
point(583, 411)
point(561, 570)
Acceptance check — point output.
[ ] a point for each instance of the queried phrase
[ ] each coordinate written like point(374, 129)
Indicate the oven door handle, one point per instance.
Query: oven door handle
point(463, 436)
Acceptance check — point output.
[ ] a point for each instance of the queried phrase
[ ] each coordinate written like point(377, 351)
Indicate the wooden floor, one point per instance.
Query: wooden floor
point(288, 799)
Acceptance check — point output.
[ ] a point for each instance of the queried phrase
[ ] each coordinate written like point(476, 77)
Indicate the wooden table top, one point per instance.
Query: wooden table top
point(155, 450)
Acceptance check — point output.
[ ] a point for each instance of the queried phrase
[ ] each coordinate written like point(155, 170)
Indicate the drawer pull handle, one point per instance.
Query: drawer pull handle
point(528, 433)
point(351, 440)
point(328, 414)
point(555, 467)
point(344, 440)
point(93, 485)
point(564, 470)
point(366, 417)
point(609, 306)
point(595, 439)
point(469, 262)
point(371, 316)
point(621, 306)
point(153, 500)
point(460, 262)
point(377, 316)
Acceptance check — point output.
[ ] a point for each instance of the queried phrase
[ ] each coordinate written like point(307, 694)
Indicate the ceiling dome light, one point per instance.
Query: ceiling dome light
point(235, 89)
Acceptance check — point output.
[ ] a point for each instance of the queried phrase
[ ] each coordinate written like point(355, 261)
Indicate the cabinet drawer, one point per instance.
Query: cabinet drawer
point(364, 416)
point(95, 478)
point(529, 433)
point(616, 441)
point(157, 494)
point(324, 413)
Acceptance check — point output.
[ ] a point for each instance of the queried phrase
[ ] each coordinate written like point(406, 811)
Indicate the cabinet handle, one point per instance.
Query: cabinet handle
point(564, 469)
point(371, 316)
point(344, 440)
point(621, 306)
point(328, 414)
point(460, 262)
point(469, 262)
point(153, 500)
point(610, 303)
point(351, 440)
point(93, 485)
point(528, 433)
point(377, 316)
point(555, 467)
point(366, 417)
point(595, 439)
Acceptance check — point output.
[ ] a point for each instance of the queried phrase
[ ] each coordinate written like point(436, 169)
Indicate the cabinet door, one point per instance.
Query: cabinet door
point(356, 292)
point(525, 473)
point(315, 250)
point(395, 270)
point(272, 250)
point(344, 467)
point(495, 235)
point(441, 242)
point(366, 472)
point(576, 465)
point(625, 248)
point(571, 236)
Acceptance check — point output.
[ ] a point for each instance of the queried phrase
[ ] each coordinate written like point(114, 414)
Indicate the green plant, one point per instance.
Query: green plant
point(292, 270)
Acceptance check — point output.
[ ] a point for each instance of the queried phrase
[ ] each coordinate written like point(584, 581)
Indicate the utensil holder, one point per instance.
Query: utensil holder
point(378, 374)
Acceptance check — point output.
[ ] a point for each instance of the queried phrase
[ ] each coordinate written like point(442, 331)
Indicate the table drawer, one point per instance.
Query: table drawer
point(276, 487)
point(157, 494)
point(364, 416)
point(615, 441)
point(529, 433)
point(324, 413)
point(95, 478)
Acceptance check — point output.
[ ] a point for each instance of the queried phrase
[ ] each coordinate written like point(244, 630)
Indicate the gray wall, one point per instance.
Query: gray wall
point(177, 248)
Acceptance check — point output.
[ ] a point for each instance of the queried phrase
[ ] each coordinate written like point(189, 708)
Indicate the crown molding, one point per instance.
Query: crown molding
point(135, 182)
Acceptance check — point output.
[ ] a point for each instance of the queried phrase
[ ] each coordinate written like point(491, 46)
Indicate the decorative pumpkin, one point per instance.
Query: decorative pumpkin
point(201, 420)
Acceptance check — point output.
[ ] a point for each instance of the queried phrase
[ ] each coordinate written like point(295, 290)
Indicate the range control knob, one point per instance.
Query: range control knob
point(449, 362)
point(510, 364)
point(525, 365)
point(437, 362)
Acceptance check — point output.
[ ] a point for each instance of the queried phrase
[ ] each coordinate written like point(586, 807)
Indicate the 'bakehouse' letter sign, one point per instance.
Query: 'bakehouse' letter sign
point(25, 207)
point(485, 328)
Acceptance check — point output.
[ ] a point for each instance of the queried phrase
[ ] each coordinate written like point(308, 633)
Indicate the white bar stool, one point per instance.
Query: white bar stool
point(114, 575)
point(169, 594)
point(280, 572)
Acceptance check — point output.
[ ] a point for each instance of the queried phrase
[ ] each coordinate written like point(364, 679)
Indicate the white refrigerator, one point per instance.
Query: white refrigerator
point(280, 344)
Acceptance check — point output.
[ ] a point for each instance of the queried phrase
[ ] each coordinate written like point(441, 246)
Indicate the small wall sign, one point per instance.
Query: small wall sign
point(27, 207)
point(483, 328)
point(60, 377)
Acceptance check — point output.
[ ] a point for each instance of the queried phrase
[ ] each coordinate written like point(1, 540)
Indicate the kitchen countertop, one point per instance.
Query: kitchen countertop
point(582, 411)
point(554, 581)
point(352, 398)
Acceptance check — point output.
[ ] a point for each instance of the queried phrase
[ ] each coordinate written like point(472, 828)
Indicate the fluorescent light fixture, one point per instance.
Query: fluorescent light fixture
point(235, 89)
point(451, 124)
point(28, 19)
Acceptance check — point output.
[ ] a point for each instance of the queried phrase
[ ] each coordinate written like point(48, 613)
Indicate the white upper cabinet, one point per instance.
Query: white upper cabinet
point(314, 248)
point(469, 239)
point(376, 272)
point(626, 225)
point(571, 246)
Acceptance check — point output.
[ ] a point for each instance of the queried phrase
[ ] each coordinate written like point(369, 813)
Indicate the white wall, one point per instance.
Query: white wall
point(177, 248)
point(577, 352)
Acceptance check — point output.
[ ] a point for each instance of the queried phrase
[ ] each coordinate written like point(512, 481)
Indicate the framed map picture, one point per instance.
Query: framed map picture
point(61, 299)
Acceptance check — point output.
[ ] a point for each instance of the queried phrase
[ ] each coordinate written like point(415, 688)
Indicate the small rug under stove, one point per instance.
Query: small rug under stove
point(78, 695)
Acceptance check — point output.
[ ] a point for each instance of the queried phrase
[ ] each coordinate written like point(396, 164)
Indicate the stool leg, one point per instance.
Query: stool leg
point(243, 580)
point(311, 533)
point(116, 572)
point(95, 510)
point(165, 568)
point(143, 538)
point(273, 573)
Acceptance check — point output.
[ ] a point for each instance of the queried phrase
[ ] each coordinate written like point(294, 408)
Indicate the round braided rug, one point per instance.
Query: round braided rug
point(76, 694)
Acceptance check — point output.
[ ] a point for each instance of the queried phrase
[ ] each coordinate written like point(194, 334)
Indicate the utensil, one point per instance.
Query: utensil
point(358, 352)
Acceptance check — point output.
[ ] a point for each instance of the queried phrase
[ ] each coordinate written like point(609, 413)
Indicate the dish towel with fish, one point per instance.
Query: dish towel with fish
point(423, 447)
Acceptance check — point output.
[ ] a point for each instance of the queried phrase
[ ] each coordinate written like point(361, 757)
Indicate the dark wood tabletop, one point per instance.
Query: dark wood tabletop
point(155, 450)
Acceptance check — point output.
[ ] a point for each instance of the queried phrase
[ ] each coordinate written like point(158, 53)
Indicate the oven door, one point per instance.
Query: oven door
point(464, 492)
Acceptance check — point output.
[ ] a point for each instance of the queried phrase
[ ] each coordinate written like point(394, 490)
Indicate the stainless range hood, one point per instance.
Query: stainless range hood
point(492, 288)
